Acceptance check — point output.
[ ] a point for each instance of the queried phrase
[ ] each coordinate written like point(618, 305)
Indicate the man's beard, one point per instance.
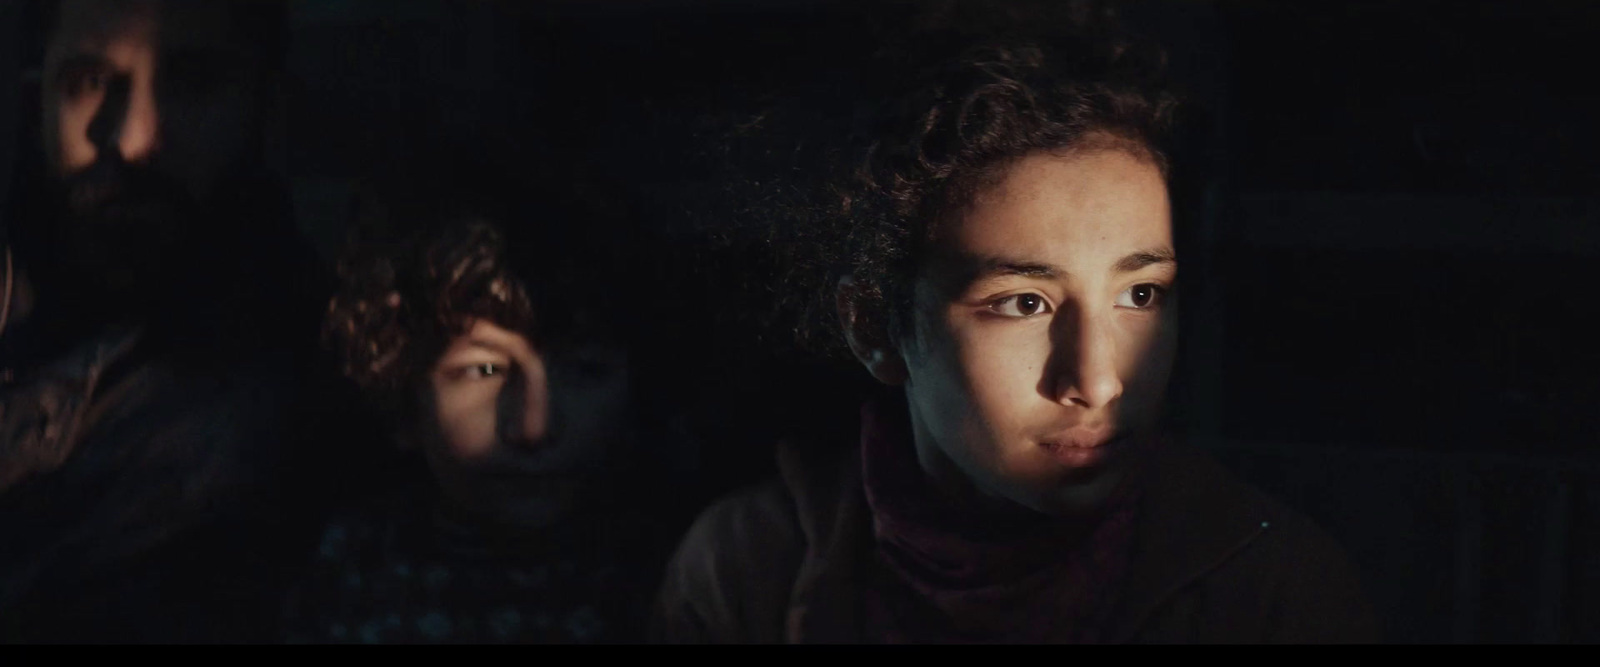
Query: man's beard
point(122, 232)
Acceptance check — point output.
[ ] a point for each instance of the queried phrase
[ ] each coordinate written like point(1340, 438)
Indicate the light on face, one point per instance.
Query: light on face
point(472, 383)
point(100, 86)
point(1043, 330)
point(169, 85)
point(523, 432)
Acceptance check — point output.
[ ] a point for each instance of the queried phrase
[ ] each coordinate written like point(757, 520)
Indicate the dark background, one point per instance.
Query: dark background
point(1397, 207)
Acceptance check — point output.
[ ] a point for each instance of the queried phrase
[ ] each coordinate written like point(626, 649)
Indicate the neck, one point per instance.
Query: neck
point(945, 477)
point(985, 509)
point(970, 508)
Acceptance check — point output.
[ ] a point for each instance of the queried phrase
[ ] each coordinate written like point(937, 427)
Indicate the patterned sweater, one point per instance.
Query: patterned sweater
point(398, 572)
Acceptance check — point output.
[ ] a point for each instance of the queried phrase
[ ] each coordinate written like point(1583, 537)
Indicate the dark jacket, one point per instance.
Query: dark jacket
point(157, 492)
point(136, 505)
point(157, 478)
point(1213, 561)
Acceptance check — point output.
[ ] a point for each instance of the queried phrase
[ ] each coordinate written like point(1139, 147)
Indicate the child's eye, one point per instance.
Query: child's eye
point(1142, 296)
point(1020, 305)
point(480, 371)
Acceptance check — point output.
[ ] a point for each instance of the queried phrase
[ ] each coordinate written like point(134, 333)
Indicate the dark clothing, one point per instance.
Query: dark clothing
point(154, 484)
point(954, 574)
point(133, 483)
point(1211, 560)
point(398, 571)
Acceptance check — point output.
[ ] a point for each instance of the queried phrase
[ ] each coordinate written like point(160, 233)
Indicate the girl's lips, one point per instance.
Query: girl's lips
point(1085, 450)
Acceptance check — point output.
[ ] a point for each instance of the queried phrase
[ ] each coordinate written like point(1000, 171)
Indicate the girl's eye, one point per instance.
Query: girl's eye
point(1020, 305)
point(1141, 296)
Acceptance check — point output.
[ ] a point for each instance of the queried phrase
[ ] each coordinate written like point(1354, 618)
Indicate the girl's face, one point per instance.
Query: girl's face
point(1045, 336)
point(522, 432)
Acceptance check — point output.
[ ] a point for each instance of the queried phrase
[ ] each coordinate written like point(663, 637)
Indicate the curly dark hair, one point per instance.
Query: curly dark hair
point(401, 301)
point(967, 98)
point(425, 261)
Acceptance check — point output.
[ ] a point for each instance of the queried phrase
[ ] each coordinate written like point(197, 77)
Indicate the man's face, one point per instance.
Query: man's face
point(523, 433)
point(1044, 335)
point(147, 107)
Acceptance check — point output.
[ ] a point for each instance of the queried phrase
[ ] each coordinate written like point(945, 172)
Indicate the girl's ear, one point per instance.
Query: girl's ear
point(869, 344)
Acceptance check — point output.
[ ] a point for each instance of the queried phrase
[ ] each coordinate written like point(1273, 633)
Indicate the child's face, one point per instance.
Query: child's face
point(522, 432)
point(1044, 334)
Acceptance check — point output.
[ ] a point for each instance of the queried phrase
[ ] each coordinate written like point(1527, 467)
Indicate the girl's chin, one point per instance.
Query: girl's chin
point(1081, 491)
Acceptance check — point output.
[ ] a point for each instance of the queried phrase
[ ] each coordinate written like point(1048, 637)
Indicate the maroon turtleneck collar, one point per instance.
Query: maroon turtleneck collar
point(959, 576)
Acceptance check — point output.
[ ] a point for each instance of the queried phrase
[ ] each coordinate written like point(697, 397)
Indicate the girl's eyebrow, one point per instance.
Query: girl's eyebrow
point(970, 271)
point(989, 267)
point(1144, 258)
point(982, 268)
point(995, 266)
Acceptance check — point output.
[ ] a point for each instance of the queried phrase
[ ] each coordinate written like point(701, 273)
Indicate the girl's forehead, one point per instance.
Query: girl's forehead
point(1072, 210)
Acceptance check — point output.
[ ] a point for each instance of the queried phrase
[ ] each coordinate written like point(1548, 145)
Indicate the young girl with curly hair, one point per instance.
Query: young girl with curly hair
point(1001, 258)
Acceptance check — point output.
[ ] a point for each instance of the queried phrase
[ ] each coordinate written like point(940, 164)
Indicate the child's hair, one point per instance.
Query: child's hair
point(965, 96)
point(432, 255)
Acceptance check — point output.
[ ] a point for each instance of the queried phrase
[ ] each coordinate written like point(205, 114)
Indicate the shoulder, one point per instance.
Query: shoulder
point(730, 579)
point(759, 520)
point(1288, 573)
point(1317, 594)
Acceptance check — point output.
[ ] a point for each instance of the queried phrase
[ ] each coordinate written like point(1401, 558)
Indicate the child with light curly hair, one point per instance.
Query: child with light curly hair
point(492, 338)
